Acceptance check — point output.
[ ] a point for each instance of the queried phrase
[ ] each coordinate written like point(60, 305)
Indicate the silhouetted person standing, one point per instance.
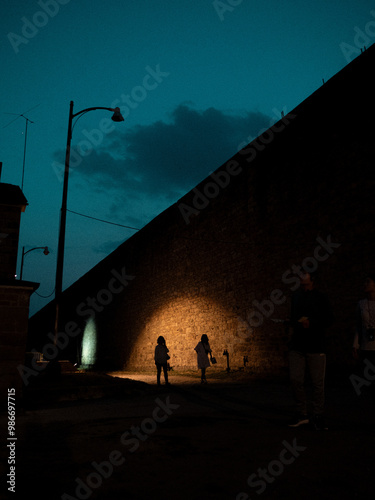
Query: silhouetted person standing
point(203, 350)
point(161, 360)
point(364, 340)
point(311, 314)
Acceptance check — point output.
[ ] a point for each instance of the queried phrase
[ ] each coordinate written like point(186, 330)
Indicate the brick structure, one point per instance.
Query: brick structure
point(14, 294)
point(225, 258)
point(12, 203)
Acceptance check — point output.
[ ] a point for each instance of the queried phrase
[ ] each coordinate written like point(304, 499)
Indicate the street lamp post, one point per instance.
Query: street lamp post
point(116, 117)
point(45, 251)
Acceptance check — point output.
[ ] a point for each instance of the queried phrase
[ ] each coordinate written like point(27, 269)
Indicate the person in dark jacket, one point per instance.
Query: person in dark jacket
point(364, 340)
point(161, 359)
point(311, 314)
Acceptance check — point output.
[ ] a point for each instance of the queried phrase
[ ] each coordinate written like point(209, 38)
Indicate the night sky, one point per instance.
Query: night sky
point(195, 81)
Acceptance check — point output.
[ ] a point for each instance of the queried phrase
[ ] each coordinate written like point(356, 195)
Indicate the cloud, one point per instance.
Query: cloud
point(147, 168)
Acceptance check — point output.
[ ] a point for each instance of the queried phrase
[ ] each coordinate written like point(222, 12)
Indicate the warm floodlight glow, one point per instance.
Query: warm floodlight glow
point(89, 342)
point(182, 320)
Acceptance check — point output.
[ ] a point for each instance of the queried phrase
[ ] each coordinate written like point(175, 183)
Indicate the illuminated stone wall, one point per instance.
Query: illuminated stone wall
point(225, 258)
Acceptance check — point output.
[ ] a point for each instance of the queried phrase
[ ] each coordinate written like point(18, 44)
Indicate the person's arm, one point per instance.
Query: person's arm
point(328, 313)
point(358, 332)
point(198, 348)
point(355, 349)
point(322, 315)
point(293, 311)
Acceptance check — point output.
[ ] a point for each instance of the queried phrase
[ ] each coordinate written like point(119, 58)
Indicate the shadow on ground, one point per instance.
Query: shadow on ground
point(103, 437)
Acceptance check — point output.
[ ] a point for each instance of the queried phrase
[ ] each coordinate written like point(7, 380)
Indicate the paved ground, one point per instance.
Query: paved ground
point(226, 440)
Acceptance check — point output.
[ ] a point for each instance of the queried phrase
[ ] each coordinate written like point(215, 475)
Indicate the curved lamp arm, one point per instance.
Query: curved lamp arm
point(46, 252)
point(117, 116)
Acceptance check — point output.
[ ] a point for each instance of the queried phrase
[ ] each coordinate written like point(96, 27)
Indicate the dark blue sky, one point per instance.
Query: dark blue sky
point(194, 80)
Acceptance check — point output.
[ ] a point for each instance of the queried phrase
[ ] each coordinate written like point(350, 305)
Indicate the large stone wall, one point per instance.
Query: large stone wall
point(225, 259)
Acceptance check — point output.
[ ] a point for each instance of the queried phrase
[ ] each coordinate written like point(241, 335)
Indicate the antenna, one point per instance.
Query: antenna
point(27, 122)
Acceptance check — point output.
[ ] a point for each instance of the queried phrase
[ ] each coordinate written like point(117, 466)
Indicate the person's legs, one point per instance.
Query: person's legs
point(317, 368)
point(367, 360)
point(158, 372)
point(203, 375)
point(297, 367)
point(165, 370)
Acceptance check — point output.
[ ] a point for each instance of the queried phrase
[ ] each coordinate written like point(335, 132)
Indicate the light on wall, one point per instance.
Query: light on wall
point(181, 320)
point(89, 345)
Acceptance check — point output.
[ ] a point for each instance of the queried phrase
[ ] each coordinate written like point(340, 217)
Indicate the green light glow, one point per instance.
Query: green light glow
point(89, 342)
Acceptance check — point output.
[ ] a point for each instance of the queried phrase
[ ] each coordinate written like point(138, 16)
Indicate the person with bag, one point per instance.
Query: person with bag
point(203, 350)
point(161, 359)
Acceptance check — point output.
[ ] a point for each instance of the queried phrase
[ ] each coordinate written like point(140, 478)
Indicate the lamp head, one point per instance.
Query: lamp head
point(117, 116)
point(46, 251)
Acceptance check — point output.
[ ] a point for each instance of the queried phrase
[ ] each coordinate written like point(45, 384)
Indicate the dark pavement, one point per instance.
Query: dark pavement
point(225, 440)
